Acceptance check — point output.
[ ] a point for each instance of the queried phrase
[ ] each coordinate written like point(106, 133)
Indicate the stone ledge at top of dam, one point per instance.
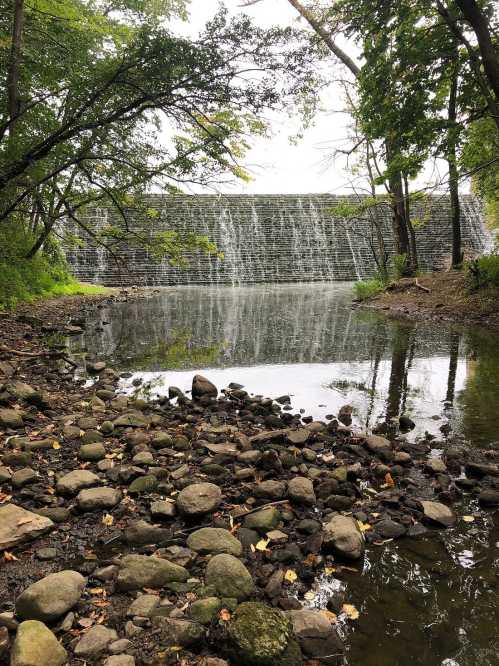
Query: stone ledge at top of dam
point(268, 238)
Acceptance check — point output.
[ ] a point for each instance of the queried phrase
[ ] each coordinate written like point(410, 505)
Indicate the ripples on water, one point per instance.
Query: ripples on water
point(430, 602)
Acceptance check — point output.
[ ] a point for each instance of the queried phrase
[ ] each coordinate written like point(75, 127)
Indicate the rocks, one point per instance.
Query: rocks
point(229, 577)
point(24, 477)
point(199, 499)
point(92, 452)
point(301, 490)
point(95, 641)
point(143, 484)
point(259, 635)
point(438, 513)
point(36, 645)
point(298, 437)
point(19, 526)
point(264, 520)
point(73, 482)
point(378, 445)
point(140, 532)
point(120, 660)
point(179, 632)
point(138, 571)
point(163, 509)
point(11, 418)
point(489, 497)
point(143, 606)
point(389, 529)
point(92, 499)
point(273, 490)
point(343, 537)
point(203, 387)
point(204, 610)
point(436, 466)
point(51, 597)
point(317, 636)
point(213, 540)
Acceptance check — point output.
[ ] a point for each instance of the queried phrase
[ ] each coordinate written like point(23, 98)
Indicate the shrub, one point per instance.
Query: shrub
point(484, 272)
point(365, 289)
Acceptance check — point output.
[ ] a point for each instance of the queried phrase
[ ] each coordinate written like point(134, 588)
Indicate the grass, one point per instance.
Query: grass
point(365, 289)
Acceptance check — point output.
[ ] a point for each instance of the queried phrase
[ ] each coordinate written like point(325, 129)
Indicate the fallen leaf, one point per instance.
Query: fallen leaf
point(290, 576)
point(9, 557)
point(55, 444)
point(262, 544)
point(224, 615)
point(389, 482)
point(330, 615)
point(309, 596)
point(107, 519)
point(350, 611)
point(468, 519)
point(329, 570)
point(363, 527)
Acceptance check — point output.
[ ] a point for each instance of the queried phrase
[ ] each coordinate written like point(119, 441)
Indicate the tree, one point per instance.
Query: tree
point(102, 102)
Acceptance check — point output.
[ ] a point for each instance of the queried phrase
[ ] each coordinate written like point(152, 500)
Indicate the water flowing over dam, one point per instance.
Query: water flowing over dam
point(268, 238)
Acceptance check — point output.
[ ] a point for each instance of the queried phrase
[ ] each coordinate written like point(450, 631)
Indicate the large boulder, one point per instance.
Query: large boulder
point(343, 537)
point(203, 387)
point(301, 490)
point(92, 499)
point(214, 540)
point(36, 645)
point(74, 481)
point(261, 636)
point(18, 525)
point(51, 597)
point(317, 636)
point(138, 571)
point(229, 577)
point(199, 499)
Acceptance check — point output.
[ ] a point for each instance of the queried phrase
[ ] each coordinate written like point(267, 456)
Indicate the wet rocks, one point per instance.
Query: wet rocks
point(438, 513)
point(389, 529)
point(95, 641)
point(36, 645)
point(73, 482)
point(343, 537)
point(378, 445)
point(260, 635)
point(51, 597)
point(436, 466)
point(317, 637)
point(213, 540)
point(203, 387)
point(199, 499)
point(138, 571)
point(17, 525)
point(301, 490)
point(229, 577)
point(489, 497)
point(92, 499)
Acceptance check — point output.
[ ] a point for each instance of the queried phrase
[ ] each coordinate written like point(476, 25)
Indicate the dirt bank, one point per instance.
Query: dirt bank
point(441, 297)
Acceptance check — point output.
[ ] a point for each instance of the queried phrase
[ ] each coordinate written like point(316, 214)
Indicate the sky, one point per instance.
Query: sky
point(277, 165)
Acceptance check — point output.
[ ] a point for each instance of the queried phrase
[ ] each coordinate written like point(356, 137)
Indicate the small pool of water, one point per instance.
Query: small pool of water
point(424, 603)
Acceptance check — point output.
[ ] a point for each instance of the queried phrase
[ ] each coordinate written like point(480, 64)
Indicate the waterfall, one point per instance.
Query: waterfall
point(267, 238)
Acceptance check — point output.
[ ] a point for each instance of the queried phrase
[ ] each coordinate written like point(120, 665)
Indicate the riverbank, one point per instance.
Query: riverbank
point(164, 532)
point(439, 297)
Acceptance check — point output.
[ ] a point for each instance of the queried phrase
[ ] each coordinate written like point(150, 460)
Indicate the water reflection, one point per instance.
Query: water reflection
point(307, 341)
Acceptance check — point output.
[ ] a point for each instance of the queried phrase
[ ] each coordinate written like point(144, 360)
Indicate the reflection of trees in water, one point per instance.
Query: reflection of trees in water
point(402, 354)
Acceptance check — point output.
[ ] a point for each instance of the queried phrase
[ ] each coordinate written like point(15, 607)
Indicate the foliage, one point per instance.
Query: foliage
point(484, 272)
point(366, 289)
point(398, 264)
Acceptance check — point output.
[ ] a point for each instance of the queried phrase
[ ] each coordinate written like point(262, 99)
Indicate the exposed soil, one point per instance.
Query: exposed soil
point(448, 298)
point(291, 498)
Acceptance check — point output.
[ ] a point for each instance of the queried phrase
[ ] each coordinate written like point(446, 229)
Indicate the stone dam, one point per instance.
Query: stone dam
point(267, 238)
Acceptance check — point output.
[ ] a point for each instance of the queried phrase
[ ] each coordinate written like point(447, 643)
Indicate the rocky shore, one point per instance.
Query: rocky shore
point(194, 529)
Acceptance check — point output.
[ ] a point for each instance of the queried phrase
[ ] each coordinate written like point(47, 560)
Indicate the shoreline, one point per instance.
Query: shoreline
point(448, 300)
point(188, 520)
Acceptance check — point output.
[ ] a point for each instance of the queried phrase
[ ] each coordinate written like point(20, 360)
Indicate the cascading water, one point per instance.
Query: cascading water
point(269, 238)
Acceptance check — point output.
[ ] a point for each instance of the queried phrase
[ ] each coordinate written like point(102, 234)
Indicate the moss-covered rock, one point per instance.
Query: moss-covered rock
point(143, 484)
point(262, 636)
point(204, 610)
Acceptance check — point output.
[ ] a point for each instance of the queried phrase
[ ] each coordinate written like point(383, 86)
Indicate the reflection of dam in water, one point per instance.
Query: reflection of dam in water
point(269, 238)
point(254, 325)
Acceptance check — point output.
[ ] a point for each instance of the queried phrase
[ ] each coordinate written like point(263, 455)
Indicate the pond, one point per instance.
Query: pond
point(429, 602)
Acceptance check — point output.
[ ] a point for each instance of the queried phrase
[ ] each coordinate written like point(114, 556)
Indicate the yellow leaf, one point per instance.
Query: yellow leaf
point(55, 444)
point(468, 519)
point(9, 557)
point(290, 576)
point(350, 611)
point(309, 596)
point(363, 527)
point(107, 519)
point(329, 570)
point(262, 544)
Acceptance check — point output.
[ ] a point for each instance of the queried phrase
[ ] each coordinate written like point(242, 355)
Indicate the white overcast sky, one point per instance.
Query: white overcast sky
point(276, 165)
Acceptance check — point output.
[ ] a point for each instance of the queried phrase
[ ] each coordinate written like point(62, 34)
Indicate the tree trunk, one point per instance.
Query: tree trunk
point(414, 260)
point(490, 58)
point(14, 64)
point(397, 371)
point(455, 211)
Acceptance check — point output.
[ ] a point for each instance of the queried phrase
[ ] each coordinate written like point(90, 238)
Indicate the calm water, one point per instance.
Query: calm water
point(424, 603)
